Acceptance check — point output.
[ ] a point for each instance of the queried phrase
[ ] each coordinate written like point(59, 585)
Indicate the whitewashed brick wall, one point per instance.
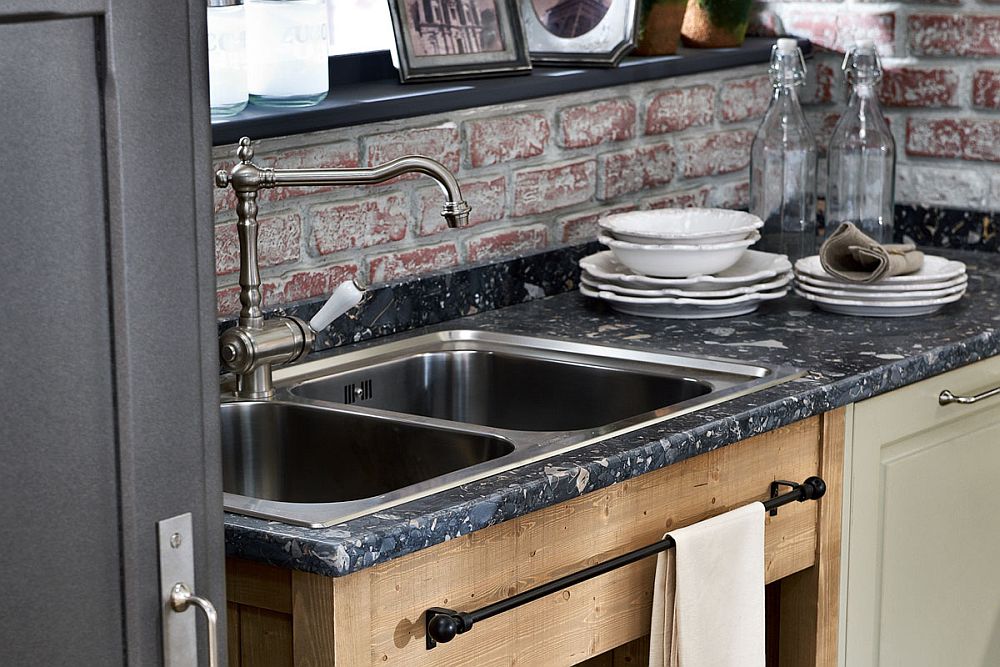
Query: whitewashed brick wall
point(941, 91)
point(538, 174)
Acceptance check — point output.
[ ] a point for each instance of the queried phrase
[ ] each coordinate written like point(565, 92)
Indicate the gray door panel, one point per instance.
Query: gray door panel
point(109, 405)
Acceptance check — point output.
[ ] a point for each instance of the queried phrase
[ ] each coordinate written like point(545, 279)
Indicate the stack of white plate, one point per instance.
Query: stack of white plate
point(939, 282)
point(740, 289)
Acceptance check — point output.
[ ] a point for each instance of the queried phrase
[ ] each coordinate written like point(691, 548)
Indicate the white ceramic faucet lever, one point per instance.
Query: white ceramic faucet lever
point(346, 296)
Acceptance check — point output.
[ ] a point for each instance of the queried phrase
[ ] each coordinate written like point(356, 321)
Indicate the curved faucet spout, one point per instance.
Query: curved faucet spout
point(253, 346)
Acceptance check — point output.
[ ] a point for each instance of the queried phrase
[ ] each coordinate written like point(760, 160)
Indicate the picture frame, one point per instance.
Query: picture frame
point(580, 32)
point(450, 39)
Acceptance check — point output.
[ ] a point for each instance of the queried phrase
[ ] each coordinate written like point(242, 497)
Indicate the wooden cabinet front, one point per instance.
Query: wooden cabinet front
point(374, 617)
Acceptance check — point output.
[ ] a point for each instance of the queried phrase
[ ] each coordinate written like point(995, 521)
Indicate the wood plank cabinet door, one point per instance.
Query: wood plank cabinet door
point(923, 571)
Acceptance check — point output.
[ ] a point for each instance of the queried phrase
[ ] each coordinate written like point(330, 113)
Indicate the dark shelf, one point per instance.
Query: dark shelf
point(364, 89)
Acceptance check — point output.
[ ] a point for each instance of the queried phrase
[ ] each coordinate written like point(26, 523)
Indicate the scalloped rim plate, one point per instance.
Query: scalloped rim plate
point(935, 269)
point(882, 309)
point(754, 266)
point(685, 309)
point(879, 288)
point(593, 284)
point(876, 297)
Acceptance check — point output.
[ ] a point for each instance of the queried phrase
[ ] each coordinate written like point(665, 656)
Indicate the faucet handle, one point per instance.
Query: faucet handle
point(245, 152)
point(347, 295)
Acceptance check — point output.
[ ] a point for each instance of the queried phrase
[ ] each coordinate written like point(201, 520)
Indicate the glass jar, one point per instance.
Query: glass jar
point(783, 162)
point(287, 50)
point(227, 67)
point(862, 155)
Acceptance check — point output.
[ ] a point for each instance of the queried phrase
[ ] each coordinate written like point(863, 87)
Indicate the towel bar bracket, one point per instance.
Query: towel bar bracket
point(441, 625)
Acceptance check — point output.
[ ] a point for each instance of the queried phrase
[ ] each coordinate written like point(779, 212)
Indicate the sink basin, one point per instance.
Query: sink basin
point(364, 430)
point(506, 390)
point(284, 457)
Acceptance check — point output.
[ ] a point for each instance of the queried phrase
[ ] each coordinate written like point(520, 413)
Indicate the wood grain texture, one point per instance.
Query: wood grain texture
point(375, 617)
point(265, 638)
point(809, 599)
point(233, 634)
point(574, 625)
point(258, 585)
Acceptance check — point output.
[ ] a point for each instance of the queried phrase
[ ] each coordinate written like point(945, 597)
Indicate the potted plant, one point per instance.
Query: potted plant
point(660, 27)
point(715, 23)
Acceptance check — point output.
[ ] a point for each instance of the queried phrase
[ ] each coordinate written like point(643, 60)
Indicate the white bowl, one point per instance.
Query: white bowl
point(681, 225)
point(665, 260)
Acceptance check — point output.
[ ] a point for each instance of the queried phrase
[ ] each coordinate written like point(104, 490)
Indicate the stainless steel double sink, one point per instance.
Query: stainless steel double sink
point(362, 431)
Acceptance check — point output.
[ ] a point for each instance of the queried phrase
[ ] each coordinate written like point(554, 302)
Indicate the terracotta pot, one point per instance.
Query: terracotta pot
point(660, 27)
point(715, 23)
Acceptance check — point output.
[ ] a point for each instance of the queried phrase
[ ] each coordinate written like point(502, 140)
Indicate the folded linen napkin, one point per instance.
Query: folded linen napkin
point(708, 597)
point(851, 255)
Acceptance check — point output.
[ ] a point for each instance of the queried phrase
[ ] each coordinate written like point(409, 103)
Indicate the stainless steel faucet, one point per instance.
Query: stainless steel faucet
point(251, 348)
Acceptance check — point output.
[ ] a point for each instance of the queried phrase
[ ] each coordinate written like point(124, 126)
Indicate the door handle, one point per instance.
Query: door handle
point(947, 398)
point(181, 598)
point(177, 585)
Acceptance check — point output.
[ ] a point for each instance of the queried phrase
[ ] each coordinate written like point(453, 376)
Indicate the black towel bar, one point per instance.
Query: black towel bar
point(442, 625)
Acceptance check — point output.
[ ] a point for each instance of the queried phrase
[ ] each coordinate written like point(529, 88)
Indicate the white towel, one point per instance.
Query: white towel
point(708, 600)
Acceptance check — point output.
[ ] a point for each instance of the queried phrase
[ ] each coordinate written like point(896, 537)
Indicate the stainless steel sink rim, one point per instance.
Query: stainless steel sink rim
point(530, 446)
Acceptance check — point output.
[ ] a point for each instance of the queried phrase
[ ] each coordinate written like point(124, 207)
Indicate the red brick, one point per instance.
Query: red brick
point(227, 301)
point(442, 143)
point(823, 83)
point(406, 263)
point(744, 98)
point(822, 123)
point(582, 227)
point(325, 156)
point(731, 195)
point(838, 31)
point(680, 108)
point(966, 138)
point(597, 123)
point(307, 284)
point(635, 169)
point(496, 140)
point(359, 223)
point(986, 89)
point(506, 243)
point(697, 197)
point(279, 237)
point(487, 197)
point(934, 138)
point(954, 35)
point(718, 153)
point(919, 87)
point(548, 188)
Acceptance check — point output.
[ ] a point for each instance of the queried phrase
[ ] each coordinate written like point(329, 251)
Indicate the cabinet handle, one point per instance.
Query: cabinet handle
point(947, 398)
point(181, 598)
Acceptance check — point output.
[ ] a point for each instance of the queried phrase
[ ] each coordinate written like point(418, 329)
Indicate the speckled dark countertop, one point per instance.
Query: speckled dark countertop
point(848, 359)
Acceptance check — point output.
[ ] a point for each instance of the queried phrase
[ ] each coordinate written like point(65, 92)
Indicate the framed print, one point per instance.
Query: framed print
point(438, 39)
point(579, 32)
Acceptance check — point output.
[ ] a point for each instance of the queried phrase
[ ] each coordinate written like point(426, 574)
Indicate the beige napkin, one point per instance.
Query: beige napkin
point(708, 599)
point(851, 255)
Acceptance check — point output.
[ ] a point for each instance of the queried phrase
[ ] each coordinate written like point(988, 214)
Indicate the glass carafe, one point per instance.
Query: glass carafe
point(862, 155)
point(783, 162)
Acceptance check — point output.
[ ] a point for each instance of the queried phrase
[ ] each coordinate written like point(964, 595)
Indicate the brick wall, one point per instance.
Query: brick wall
point(941, 91)
point(538, 175)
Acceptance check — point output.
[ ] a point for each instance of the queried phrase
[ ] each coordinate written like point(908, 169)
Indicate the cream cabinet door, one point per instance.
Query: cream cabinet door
point(923, 554)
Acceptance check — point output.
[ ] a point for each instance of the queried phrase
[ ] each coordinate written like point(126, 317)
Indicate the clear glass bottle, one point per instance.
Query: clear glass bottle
point(862, 155)
point(783, 162)
point(227, 65)
point(287, 51)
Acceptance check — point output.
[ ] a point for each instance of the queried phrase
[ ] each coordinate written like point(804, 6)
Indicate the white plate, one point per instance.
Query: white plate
point(753, 266)
point(671, 260)
point(681, 225)
point(935, 270)
point(880, 309)
point(685, 309)
point(880, 288)
point(595, 284)
point(875, 297)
